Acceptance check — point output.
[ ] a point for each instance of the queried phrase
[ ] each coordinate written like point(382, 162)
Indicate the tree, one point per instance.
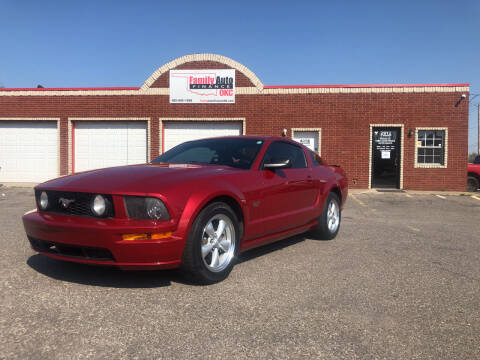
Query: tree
point(471, 157)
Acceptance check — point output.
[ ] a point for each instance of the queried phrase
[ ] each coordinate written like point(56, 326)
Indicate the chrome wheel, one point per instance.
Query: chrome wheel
point(218, 243)
point(333, 216)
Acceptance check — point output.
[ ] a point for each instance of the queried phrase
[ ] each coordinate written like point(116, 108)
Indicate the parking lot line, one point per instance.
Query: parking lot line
point(413, 228)
point(357, 200)
point(475, 197)
point(441, 197)
point(408, 195)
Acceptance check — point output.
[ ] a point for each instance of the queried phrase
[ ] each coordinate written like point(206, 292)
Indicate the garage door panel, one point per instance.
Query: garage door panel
point(103, 144)
point(176, 132)
point(28, 151)
point(136, 144)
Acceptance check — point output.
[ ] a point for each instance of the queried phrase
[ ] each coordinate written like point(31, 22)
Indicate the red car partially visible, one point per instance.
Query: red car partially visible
point(473, 182)
point(197, 206)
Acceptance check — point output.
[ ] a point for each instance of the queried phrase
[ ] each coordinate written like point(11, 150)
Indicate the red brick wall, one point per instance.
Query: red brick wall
point(344, 118)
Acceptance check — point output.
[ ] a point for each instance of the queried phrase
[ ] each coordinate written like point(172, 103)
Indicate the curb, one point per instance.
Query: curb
point(412, 192)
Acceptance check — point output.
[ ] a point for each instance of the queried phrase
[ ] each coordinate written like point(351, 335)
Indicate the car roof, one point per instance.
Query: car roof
point(253, 137)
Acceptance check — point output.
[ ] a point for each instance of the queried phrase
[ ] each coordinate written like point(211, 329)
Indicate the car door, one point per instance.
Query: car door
point(288, 195)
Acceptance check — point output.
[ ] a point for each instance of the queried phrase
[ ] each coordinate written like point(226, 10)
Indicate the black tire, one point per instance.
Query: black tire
point(322, 230)
point(472, 184)
point(193, 264)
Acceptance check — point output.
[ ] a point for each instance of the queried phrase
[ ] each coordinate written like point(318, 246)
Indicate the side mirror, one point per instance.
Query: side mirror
point(278, 164)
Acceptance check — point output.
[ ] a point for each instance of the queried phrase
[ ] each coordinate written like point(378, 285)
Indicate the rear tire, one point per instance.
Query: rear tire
point(472, 184)
point(212, 244)
point(329, 222)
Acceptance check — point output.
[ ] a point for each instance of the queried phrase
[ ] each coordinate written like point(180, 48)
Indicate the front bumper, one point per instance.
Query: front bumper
point(99, 241)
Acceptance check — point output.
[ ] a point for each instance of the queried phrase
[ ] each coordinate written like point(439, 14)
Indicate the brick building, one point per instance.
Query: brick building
point(398, 136)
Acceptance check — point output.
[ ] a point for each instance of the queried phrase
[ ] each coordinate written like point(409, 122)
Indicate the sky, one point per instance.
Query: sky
point(58, 43)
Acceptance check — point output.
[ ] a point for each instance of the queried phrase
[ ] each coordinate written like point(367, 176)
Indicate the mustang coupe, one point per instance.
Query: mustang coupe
point(197, 206)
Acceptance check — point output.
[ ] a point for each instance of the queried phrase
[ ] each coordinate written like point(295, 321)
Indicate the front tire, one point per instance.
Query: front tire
point(329, 222)
point(472, 184)
point(212, 244)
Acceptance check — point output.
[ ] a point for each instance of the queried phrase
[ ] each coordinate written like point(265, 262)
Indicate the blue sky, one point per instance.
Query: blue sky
point(120, 43)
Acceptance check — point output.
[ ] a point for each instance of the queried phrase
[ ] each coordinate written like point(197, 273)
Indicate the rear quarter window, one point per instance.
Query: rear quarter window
point(316, 159)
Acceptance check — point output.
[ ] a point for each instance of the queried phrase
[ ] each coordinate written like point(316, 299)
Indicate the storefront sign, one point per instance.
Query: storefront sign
point(202, 86)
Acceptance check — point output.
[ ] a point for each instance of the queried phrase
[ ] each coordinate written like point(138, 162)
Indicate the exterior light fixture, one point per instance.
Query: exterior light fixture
point(410, 133)
point(463, 97)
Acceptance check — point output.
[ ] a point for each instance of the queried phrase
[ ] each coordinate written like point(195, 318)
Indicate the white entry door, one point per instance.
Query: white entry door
point(177, 132)
point(100, 144)
point(28, 151)
point(307, 138)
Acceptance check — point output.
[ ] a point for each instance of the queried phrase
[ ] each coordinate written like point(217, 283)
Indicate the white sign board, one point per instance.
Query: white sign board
point(306, 138)
point(385, 154)
point(202, 86)
point(305, 141)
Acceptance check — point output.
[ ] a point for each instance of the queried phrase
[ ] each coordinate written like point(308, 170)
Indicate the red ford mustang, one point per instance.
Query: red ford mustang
point(196, 206)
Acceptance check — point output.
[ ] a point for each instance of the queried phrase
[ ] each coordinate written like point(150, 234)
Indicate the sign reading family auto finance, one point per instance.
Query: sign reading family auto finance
point(202, 86)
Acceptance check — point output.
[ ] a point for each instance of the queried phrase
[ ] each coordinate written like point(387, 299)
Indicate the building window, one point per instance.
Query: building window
point(431, 147)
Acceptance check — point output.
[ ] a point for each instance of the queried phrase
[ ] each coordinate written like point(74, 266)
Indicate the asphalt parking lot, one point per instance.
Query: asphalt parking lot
point(401, 281)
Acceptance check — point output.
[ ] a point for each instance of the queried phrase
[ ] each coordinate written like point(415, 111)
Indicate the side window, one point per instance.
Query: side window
point(477, 160)
point(280, 150)
point(316, 160)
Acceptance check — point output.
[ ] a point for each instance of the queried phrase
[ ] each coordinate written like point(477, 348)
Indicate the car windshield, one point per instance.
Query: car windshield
point(235, 152)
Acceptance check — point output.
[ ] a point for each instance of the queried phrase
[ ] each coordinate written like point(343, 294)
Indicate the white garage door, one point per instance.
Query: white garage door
point(28, 151)
point(100, 144)
point(307, 138)
point(178, 132)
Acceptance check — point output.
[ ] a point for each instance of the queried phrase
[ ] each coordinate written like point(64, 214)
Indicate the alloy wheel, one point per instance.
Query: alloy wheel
point(333, 216)
point(218, 243)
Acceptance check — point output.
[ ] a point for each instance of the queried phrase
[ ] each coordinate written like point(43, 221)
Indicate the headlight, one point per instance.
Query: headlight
point(156, 209)
point(99, 205)
point(43, 200)
point(146, 208)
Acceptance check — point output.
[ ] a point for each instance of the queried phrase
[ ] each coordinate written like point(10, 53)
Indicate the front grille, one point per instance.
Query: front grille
point(72, 251)
point(79, 204)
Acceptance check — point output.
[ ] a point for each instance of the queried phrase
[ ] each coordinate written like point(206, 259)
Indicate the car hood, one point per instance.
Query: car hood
point(134, 179)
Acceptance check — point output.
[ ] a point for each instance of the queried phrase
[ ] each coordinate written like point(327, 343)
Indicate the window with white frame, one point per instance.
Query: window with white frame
point(431, 147)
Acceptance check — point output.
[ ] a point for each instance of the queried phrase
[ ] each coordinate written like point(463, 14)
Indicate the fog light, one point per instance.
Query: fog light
point(43, 202)
point(99, 205)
